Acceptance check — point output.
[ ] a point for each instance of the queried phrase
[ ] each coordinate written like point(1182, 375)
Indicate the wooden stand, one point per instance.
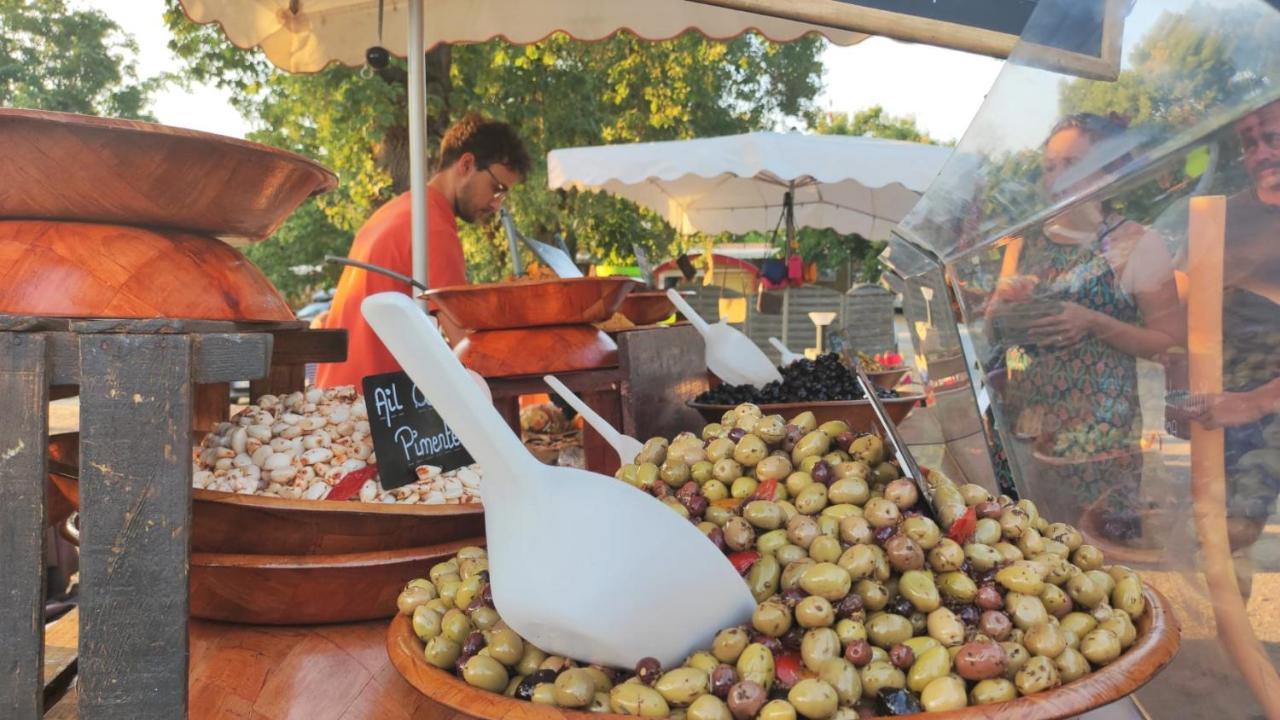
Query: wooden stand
point(137, 381)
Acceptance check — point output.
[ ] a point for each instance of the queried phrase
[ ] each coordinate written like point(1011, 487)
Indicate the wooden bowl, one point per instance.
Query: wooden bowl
point(249, 524)
point(888, 379)
point(68, 269)
point(536, 303)
point(537, 350)
point(858, 413)
point(1157, 643)
point(60, 166)
point(648, 307)
point(308, 589)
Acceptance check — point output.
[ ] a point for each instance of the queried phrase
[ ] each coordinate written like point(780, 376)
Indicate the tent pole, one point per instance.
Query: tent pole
point(787, 207)
point(418, 141)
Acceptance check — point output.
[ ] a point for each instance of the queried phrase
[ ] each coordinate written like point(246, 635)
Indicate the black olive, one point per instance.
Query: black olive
point(895, 701)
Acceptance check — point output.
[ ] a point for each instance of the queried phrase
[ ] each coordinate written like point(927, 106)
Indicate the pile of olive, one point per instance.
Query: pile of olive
point(865, 607)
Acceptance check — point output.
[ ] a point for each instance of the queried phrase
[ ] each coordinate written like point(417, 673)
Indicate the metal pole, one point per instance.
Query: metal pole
point(418, 141)
point(787, 206)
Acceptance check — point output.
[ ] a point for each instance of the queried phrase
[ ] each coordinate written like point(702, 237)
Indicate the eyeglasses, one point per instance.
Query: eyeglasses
point(1252, 142)
point(501, 191)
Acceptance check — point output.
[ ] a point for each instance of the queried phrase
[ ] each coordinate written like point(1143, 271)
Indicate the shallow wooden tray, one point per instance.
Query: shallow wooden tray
point(858, 413)
point(537, 303)
point(61, 166)
point(308, 589)
point(248, 524)
point(647, 307)
point(1158, 640)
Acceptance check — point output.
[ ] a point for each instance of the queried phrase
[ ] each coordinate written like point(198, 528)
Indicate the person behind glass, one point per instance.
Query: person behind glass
point(480, 161)
point(1249, 410)
point(1108, 289)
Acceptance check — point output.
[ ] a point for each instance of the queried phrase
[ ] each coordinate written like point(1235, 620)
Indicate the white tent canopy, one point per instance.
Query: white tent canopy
point(736, 183)
point(306, 35)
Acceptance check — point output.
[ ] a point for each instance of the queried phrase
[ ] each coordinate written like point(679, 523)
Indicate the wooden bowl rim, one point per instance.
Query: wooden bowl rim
point(1158, 641)
point(435, 293)
point(329, 179)
point(332, 561)
point(822, 404)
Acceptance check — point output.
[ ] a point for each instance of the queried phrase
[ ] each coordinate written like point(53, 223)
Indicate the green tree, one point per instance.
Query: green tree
point(872, 122)
point(557, 93)
point(55, 58)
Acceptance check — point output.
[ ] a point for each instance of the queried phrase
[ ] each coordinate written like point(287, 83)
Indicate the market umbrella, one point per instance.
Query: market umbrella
point(307, 35)
point(742, 183)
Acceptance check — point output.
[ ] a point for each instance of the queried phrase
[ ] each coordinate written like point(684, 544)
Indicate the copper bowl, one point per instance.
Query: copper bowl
point(647, 307)
point(888, 379)
point(61, 166)
point(535, 303)
point(858, 413)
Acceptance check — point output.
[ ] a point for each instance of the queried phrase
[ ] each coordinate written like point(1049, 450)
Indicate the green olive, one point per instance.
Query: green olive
point(874, 594)
point(1087, 557)
point(506, 646)
point(638, 700)
point(1078, 624)
point(455, 625)
point(850, 630)
point(1057, 569)
point(729, 644)
point(744, 487)
point(842, 676)
point(771, 428)
point(769, 542)
point(880, 674)
point(711, 431)
point(924, 531)
point(708, 707)
point(850, 490)
point(855, 530)
point(440, 570)
point(982, 557)
point(957, 587)
point(996, 690)
point(1022, 577)
point(1008, 553)
point(920, 644)
point(442, 652)
point(574, 688)
point(886, 472)
point(1103, 580)
point(868, 449)
point(715, 515)
point(412, 597)
point(797, 481)
point(681, 686)
point(1127, 596)
point(1071, 665)
point(1121, 626)
point(852, 470)
point(756, 664)
point(777, 710)
point(676, 506)
point(1015, 657)
point(813, 444)
point(944, 693)
point(1057, 602)
point(945, 627)
point(439, 605)
point(1053, 547)
point(468, 590)
point(947, 556)
point(701, 471)
point(647, 475)
point(738, 534)
point(654, 451)
point(815, 612)
point(928, 666)
point(812, 499)
point(486, 673)
point(771, 618)
point(1013, 523)
point(763, 577)
point(1029, 507)
point(789, 553)
point(825, 549)
point(420, 582)
point(1038, 675)
point(774, 467)
point(826, 580)
point(714, 490)
point(426, 622)
point(726, 470)
point(1045, 639)
point(840, 511)
point(674, 473)
point(918, 588)
point(793, 571)
point(703, 660)
point(1031, 543)
point(1026, 611)
point(813, 698)
point(818, 645)
point(888, 629)
point(987, 532)
point(1084, 592)
point(719, 449)
point(531, 660)
point(881, 513)
point(802, 529)
point(763, 514)
point(750, 450)
point(860, 560)
point(805, 421)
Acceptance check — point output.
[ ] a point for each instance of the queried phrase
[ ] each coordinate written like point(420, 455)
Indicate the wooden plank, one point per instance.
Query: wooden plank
point(213, 405)
point(172, 326)
point(226, 357)
point(67, 708)
point(298, 347)
point(23, 437)
point(662, 369)
point(31, 323)
point(135, 489)
point(61, 646)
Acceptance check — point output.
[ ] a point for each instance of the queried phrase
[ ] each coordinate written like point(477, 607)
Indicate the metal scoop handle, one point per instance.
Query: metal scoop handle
point(911, 469)
point(375, 268)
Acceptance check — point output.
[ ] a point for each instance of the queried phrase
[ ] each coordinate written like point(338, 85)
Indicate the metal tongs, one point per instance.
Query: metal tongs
point(909, 466)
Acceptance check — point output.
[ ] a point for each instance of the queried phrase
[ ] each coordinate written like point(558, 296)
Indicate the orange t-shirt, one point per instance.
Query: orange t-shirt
point(385, 240)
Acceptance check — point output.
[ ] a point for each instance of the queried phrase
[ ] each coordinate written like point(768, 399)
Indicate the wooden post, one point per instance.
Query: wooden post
point(24, 385)
point(136, 395)
point(1208, 474)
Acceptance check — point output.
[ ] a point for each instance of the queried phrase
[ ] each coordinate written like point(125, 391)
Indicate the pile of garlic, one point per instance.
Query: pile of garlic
point(301, 445)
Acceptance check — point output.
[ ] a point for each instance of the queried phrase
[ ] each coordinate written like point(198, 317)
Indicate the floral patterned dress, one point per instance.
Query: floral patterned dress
point(1085, 396)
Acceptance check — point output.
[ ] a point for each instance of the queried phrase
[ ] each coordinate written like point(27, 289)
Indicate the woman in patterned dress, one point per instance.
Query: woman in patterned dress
point(1113, 281)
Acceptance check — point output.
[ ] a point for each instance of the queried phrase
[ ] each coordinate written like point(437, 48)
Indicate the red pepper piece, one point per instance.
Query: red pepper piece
point(964, 526)
point(742, 561)
point(350, 483)
point(789, 669)
point(767, 490)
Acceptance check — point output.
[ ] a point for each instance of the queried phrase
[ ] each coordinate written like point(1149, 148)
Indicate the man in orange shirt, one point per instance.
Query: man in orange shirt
point(480, 160)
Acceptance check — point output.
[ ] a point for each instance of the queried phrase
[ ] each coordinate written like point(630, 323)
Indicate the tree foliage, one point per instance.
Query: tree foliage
point(55, 58)
point(872, 122)
point(557, 93)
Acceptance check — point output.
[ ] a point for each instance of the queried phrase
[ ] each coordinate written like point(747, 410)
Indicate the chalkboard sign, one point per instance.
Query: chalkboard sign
point(407, 432)
point(1081, 37)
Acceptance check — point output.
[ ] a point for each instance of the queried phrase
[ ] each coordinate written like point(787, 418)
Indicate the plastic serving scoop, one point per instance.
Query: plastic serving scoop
point(732, 356)
point(581, 565)
point(788, 357)
point(626, 446)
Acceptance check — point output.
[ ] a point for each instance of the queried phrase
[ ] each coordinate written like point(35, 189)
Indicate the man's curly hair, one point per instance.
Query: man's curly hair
point(490, 141)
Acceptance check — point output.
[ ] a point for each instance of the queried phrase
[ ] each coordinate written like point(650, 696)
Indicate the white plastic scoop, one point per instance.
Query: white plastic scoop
point(788, 357)
point(581, 565)
point(730, 354)
point(626, 446)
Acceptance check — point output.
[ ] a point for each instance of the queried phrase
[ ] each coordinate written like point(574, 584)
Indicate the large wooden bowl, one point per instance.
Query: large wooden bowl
point(248, 524)
point(888, 379)
point(858, 413)
point(1157, 643)
point(648, 307)
point(308, 589)
point(59, 166)
point(536, 303)
point(68, 269)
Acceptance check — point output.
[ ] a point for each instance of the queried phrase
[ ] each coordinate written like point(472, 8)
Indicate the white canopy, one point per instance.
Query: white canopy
point(306, 35)
point(736, 183)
